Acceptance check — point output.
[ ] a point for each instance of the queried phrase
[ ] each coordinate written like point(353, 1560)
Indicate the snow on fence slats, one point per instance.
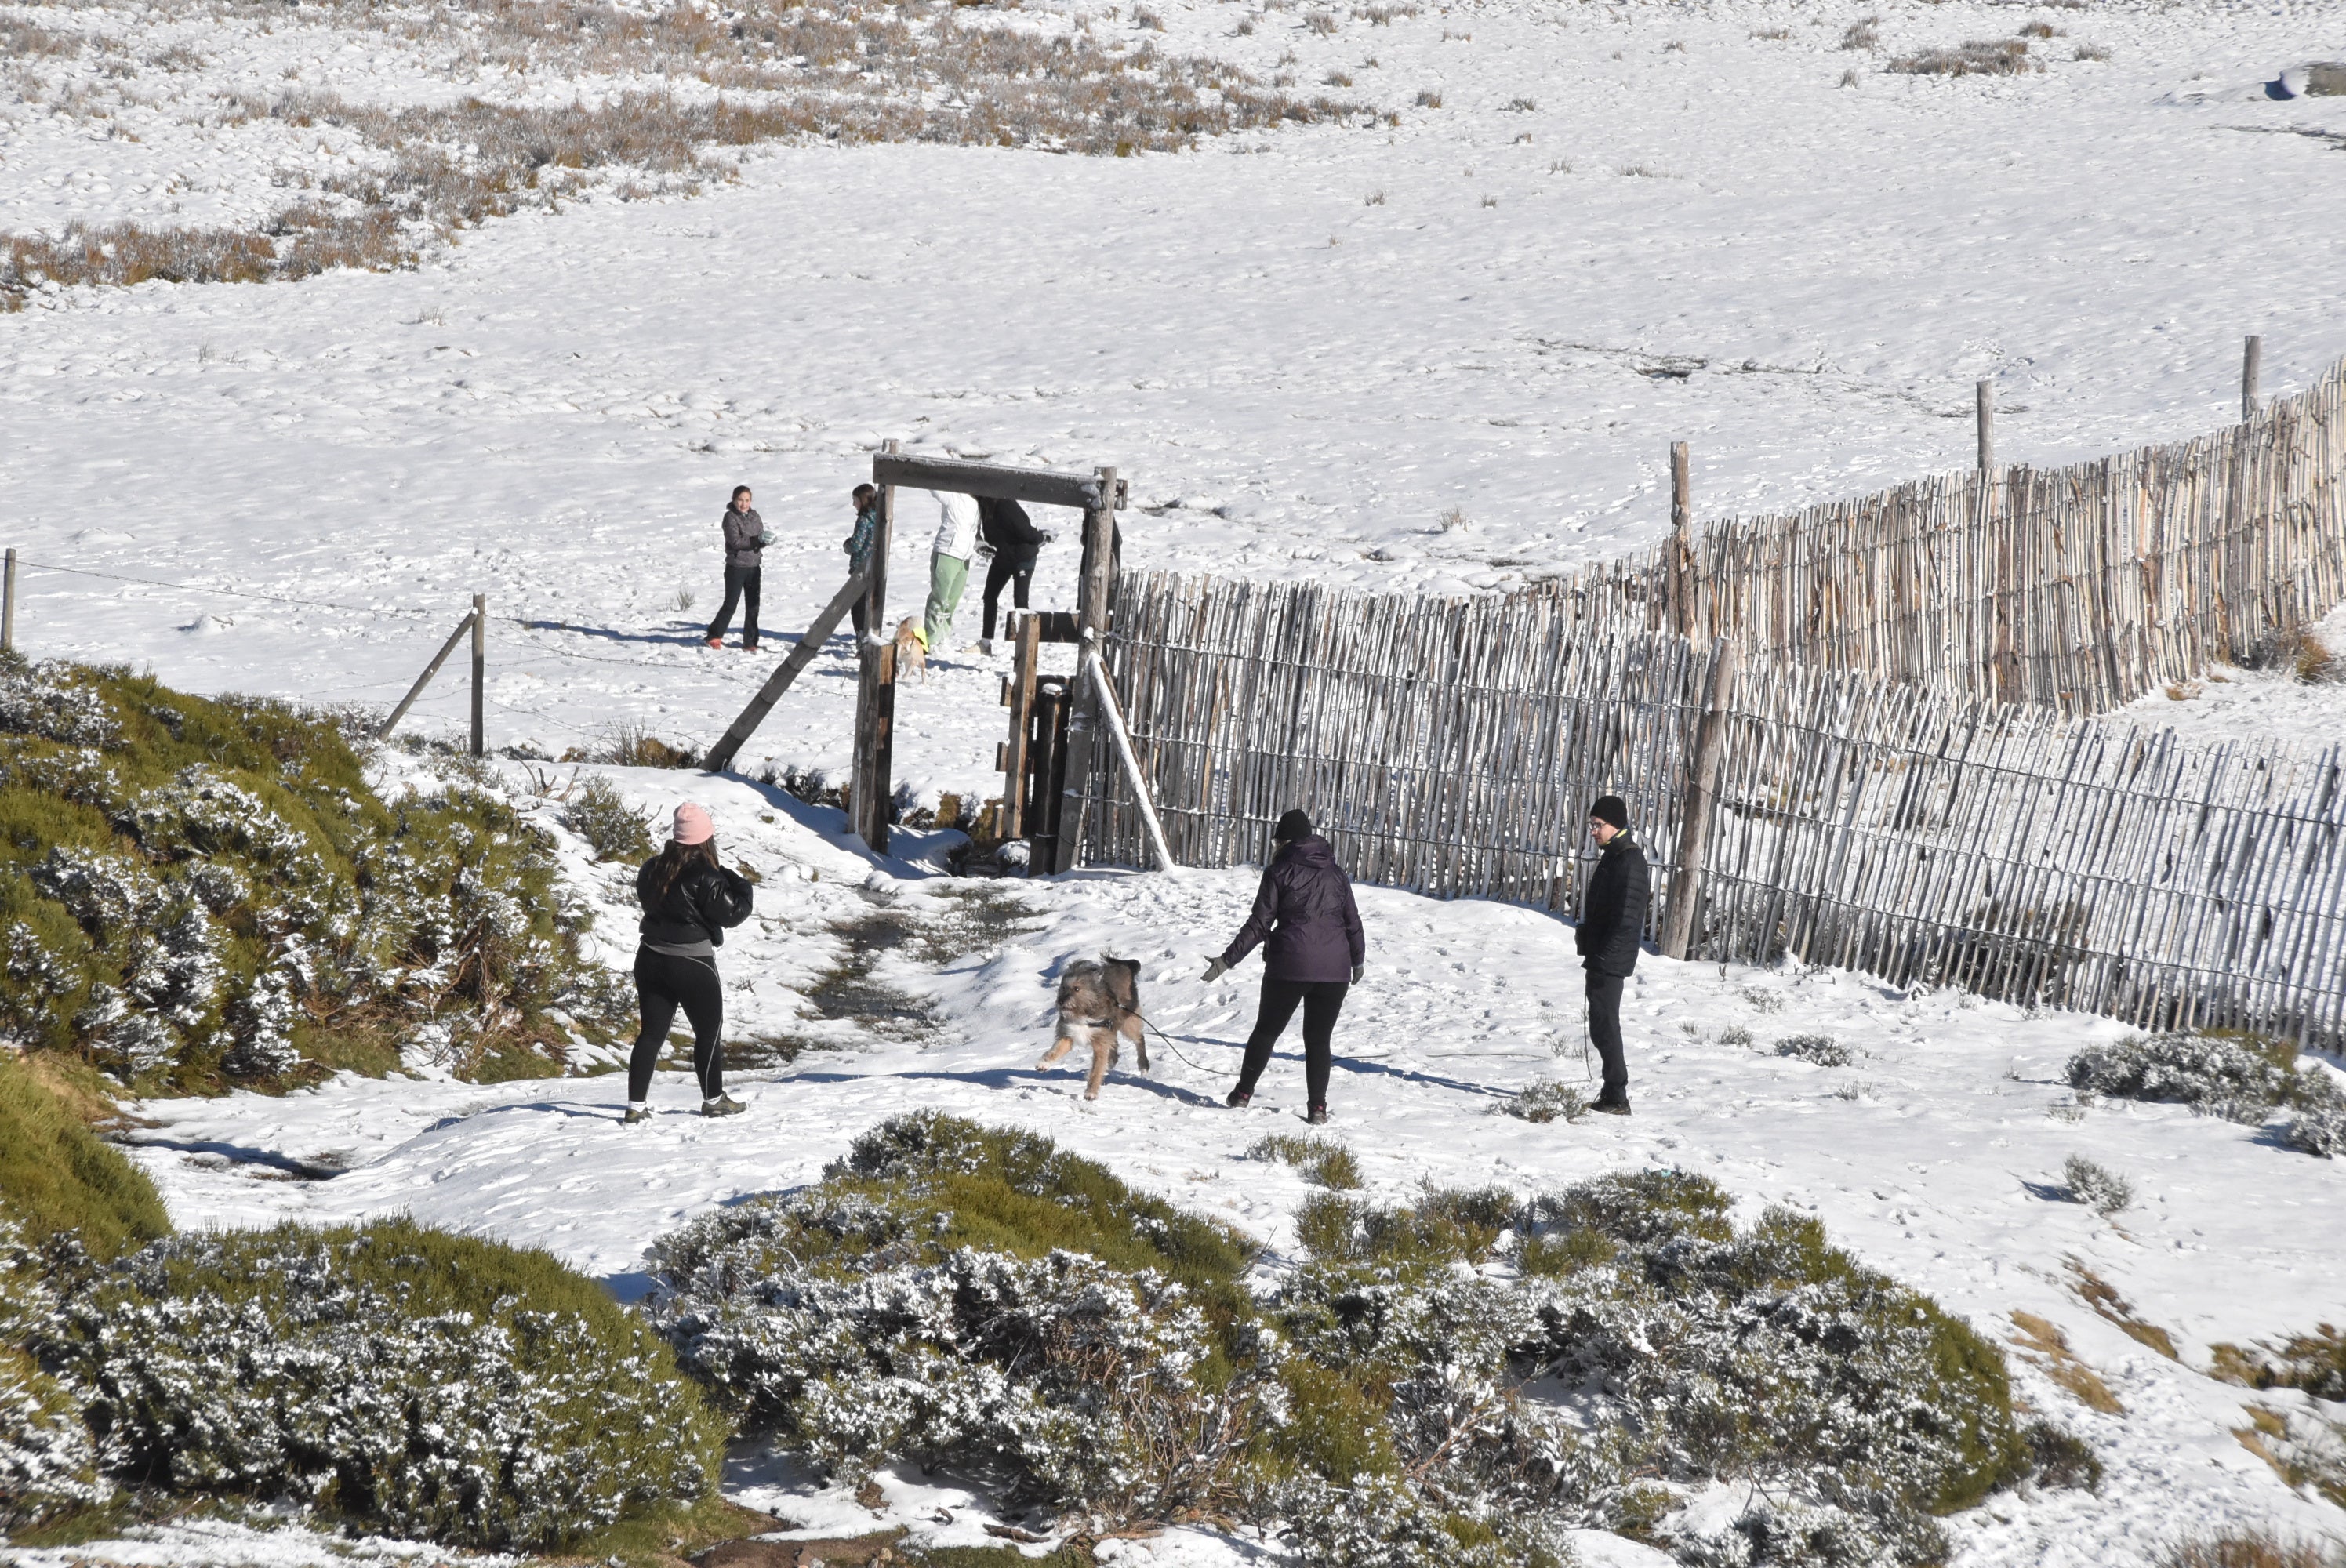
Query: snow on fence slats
point(1453, 747)
point(2079, 588)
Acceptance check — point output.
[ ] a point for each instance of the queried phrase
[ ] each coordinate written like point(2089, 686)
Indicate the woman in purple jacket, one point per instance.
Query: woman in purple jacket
point(1312, 953)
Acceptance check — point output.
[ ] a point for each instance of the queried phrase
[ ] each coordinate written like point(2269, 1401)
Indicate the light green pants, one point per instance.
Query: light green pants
point(948, 577)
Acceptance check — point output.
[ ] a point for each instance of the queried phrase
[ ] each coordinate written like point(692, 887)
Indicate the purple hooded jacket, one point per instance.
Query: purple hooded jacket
point(1303, 918)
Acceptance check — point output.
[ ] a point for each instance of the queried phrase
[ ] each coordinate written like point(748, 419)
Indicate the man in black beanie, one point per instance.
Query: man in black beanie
point(1612, 922)
point(1312, 953)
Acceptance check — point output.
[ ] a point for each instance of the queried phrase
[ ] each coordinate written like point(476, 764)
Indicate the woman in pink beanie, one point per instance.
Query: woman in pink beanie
point(689, 902)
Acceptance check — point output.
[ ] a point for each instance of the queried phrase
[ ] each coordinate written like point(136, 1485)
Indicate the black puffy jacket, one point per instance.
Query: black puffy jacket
point(701, 903)
point(1613, 919)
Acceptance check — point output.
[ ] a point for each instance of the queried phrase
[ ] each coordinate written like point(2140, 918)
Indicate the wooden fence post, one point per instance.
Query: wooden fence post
point(2251, 365)
point(479, 670)
point(1681, 542)
point(1985, 394)
point(429, 671)
point(872, 786)
point(810, 642)
point(9, 607)
point(1018, 696)
point(1701, 796)
point(1091, 633)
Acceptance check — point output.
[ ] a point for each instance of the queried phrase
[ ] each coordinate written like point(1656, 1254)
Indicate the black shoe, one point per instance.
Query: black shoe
point(1238, 1099)
point(1612, 1107)
point(722, 1105)
point(1317, 1116)
point(637, 1114)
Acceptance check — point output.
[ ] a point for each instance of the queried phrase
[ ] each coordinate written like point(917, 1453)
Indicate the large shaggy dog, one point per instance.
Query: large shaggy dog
point(1099, 998)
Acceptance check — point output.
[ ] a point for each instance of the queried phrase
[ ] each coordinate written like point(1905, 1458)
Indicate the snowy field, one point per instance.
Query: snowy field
point(1304, 350)
point(1936, 1155)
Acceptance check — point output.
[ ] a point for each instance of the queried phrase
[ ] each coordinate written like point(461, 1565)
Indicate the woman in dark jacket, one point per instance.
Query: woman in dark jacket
point(689, 902)
point(1312, 953)
point(1017, 542)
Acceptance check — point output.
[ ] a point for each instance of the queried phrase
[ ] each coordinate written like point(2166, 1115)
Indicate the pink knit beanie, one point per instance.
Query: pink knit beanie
point(693, 825)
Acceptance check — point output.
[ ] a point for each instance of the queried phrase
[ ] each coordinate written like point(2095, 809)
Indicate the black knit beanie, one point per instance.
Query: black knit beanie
point(1294, 825)
point(1611, 809)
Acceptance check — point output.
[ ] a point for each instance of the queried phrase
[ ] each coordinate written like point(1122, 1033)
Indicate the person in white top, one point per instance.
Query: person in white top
point(948, 563)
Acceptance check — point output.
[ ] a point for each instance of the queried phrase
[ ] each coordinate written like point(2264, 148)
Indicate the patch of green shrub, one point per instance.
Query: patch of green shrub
point(403, 1379)
point(1323, 1161)
point(1549, 1100)
point(615, 830)
point(191, 887)
point(59, 1178)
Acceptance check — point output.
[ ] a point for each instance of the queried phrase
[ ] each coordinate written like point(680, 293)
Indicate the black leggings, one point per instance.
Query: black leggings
point(740, 588)
point(664, 983)
point(1018, 574)
point(1321, 1000)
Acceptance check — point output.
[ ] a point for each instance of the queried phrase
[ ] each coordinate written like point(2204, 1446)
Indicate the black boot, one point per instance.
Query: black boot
point(1238, 1099)
point(1317, 1116)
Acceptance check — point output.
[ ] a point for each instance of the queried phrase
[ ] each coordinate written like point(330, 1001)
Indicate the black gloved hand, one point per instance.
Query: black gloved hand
point(1358, 970)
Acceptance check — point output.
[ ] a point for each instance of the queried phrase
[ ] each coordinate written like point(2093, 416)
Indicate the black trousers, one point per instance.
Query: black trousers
point(1604, 1033)
point(663, 984)
point(740, 588)
point(1322, 1000)
point(856, 618)
point(1018, 574)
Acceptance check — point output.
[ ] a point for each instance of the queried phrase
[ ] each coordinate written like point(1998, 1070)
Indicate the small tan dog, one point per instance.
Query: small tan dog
point(912, 653)
point(1099, 998)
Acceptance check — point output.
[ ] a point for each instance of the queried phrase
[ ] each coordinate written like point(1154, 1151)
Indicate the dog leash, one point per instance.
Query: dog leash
point(1152, 1028)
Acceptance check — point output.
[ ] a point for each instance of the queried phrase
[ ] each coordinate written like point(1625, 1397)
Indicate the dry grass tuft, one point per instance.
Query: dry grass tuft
point(2041, 30)
point(1862, 33)
point(2251, 1549)
point(2114, 1309)
point(2092, 52)
point(1772, 35)
point(1429, 98)
point(1980, 57)
point(2046, 1345)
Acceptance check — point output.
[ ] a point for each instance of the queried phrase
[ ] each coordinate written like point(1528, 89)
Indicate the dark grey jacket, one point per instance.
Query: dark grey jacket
point(745, 536)
point(1304, 917)
point(1613, 917)
point(701, 903)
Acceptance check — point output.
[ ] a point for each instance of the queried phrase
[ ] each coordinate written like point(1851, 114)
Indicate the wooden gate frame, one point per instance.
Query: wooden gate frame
point(1099, 496)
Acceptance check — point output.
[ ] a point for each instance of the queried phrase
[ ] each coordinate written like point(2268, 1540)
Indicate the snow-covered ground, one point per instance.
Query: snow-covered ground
point(1303, 350)
point(1936, 1157)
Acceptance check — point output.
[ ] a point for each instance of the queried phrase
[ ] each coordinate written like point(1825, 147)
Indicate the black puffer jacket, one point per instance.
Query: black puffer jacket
point(702, 903)
point(1304, 917)
point(1613, 920)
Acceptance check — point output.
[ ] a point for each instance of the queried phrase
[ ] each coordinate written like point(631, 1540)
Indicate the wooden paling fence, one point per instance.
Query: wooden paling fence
point(2077, 588)
point(1452, 747)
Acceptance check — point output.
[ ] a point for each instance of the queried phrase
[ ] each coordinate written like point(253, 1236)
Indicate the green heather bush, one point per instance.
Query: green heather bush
point(194, 888)
point(401, 1379)
point(615, 830)
point(58, 1179)
point(1422, 1390)
point(1323, 1161)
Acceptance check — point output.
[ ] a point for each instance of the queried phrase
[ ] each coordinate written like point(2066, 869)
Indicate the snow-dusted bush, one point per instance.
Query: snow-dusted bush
point(615, 830)
point(2318, 1129)
point(978, 1298)
point(2210, 1073)
point(1819, 1050)
point(1323, 1161)
point(954, 1295)
point(2097, 1187)
point(196, 888)
point(407, 1380)
point(1548, 1100)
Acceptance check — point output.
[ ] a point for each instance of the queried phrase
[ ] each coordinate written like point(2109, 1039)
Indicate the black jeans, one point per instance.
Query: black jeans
point(1322, 1000)
point(1018, 574)
point(664, 983)
point(1604, 1033)
point(741, 588)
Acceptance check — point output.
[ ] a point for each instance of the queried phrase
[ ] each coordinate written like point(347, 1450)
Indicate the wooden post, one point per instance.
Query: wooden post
point(1681, 542)
point(872, 788)
point(1018, 696)
point(1701, 797)
point(1986, 397)
point(9, 607)
point(1104, 691)
point(810, 641)
point(425, 679)
point(1091, 630)
point(2251, 364)
point(872, 796)
point(479, 670)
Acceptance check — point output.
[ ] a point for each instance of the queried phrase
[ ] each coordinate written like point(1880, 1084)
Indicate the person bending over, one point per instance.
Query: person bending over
point(689, 902)
point(1312, 953)
point(1017, 542)
point(1612, 922)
